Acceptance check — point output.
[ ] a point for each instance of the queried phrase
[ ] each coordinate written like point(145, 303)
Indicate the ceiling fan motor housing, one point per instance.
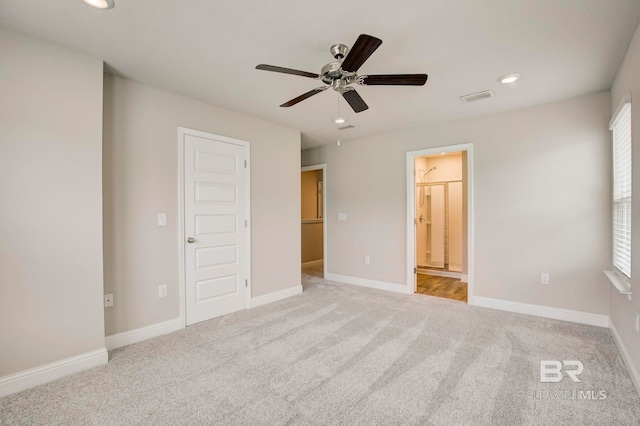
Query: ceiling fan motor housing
point(331, 72)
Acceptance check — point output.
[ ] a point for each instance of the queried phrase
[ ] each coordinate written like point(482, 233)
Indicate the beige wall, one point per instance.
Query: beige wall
point(623, 311)
point(420, 167)
point(140, 180)
point(541, 194)
point(447, 167)
point(51, 192)
point(309, 193)
point(312, 247)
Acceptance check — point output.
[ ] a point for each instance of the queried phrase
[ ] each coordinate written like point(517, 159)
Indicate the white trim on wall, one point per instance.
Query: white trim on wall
point(181, 238)
point(119, 340)
point(49, 372)
point(182, 131)
point(275, 296)
point(447, 274)
point(579, 317)
point(628, 361)
point(325, 226)
point(411, 208)
point(363, 282)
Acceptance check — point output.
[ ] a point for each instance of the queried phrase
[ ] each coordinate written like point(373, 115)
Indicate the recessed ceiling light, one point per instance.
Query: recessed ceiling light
point(339, 120)
point(100, 4)
point(509, 78)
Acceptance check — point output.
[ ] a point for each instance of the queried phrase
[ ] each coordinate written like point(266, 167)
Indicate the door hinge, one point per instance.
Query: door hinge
point(415, 222)
point(246, 223)
point(415, 270)
point(246, 283)
point(245, 164)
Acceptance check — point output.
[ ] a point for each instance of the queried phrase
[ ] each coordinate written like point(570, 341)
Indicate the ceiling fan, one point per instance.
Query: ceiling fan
point(343, 72)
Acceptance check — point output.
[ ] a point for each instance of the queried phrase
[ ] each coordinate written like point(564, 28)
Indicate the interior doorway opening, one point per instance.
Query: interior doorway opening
point(440, 212)
point(313, 224)
point(439, 224)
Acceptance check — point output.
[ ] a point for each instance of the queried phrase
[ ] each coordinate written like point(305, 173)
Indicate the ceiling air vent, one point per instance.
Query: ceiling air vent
point(347, 127)
point(478, 96)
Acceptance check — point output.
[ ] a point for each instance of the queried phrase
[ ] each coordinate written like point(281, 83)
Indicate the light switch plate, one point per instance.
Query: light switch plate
point(162, 219)
point(342, 216)
point(108, 300)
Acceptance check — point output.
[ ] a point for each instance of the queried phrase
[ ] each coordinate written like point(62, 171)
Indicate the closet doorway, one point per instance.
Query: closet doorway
point(440, 221)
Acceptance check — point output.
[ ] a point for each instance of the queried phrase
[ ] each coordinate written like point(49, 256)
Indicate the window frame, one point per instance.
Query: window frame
point(621, 199)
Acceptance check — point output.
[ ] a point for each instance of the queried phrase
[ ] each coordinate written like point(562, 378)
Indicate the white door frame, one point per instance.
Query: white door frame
point(182, 132)
point(325, 243)
point(411, 212)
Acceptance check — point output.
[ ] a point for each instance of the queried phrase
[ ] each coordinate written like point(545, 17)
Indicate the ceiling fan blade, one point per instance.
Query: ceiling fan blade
point(304, 96)
point(393, 80)
point(364, 47)
point(354, 100)
point(273, 68)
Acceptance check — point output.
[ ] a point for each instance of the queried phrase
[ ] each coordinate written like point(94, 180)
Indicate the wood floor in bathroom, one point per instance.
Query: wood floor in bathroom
point(451, 288)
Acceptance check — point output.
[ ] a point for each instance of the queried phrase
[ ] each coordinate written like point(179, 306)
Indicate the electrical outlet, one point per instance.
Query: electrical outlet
point(544, 278)
point(637, 323)
point(367, 260)
point(342, 216)
point(162, 290)
point(108, 300)
point(162, 219)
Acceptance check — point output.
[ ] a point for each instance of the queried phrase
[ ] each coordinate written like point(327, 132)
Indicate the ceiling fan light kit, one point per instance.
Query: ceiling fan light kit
point(343, 72)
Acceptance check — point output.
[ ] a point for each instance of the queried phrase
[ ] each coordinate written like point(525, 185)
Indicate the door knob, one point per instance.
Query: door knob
point(191, 240)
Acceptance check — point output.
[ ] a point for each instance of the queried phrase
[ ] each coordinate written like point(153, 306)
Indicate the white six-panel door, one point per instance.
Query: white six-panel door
point(215, 215)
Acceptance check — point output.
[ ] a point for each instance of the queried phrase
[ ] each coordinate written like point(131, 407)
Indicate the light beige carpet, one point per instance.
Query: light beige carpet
point(340, 354)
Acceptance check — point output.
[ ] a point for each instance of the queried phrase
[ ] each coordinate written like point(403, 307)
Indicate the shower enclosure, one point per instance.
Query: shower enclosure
point(438, 223)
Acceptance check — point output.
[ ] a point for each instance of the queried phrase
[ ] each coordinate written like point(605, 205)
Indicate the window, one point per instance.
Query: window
point(621, 128)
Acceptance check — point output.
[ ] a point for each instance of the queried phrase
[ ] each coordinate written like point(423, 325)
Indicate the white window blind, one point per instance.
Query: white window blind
point(621, 128)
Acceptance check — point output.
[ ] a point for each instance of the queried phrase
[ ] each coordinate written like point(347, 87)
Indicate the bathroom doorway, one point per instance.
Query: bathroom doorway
point(440, 219)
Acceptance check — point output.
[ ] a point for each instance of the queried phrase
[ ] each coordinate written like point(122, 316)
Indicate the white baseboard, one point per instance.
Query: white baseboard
point(447, 274)
point(363, 282)
point(275, 296)
point(125, 338)
point(635, 377)
point(464, 278)
point(49, 372)
point(313, 263)
point(541, 311)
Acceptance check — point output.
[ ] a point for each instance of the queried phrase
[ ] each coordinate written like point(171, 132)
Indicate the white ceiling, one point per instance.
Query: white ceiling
point(207, 49)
